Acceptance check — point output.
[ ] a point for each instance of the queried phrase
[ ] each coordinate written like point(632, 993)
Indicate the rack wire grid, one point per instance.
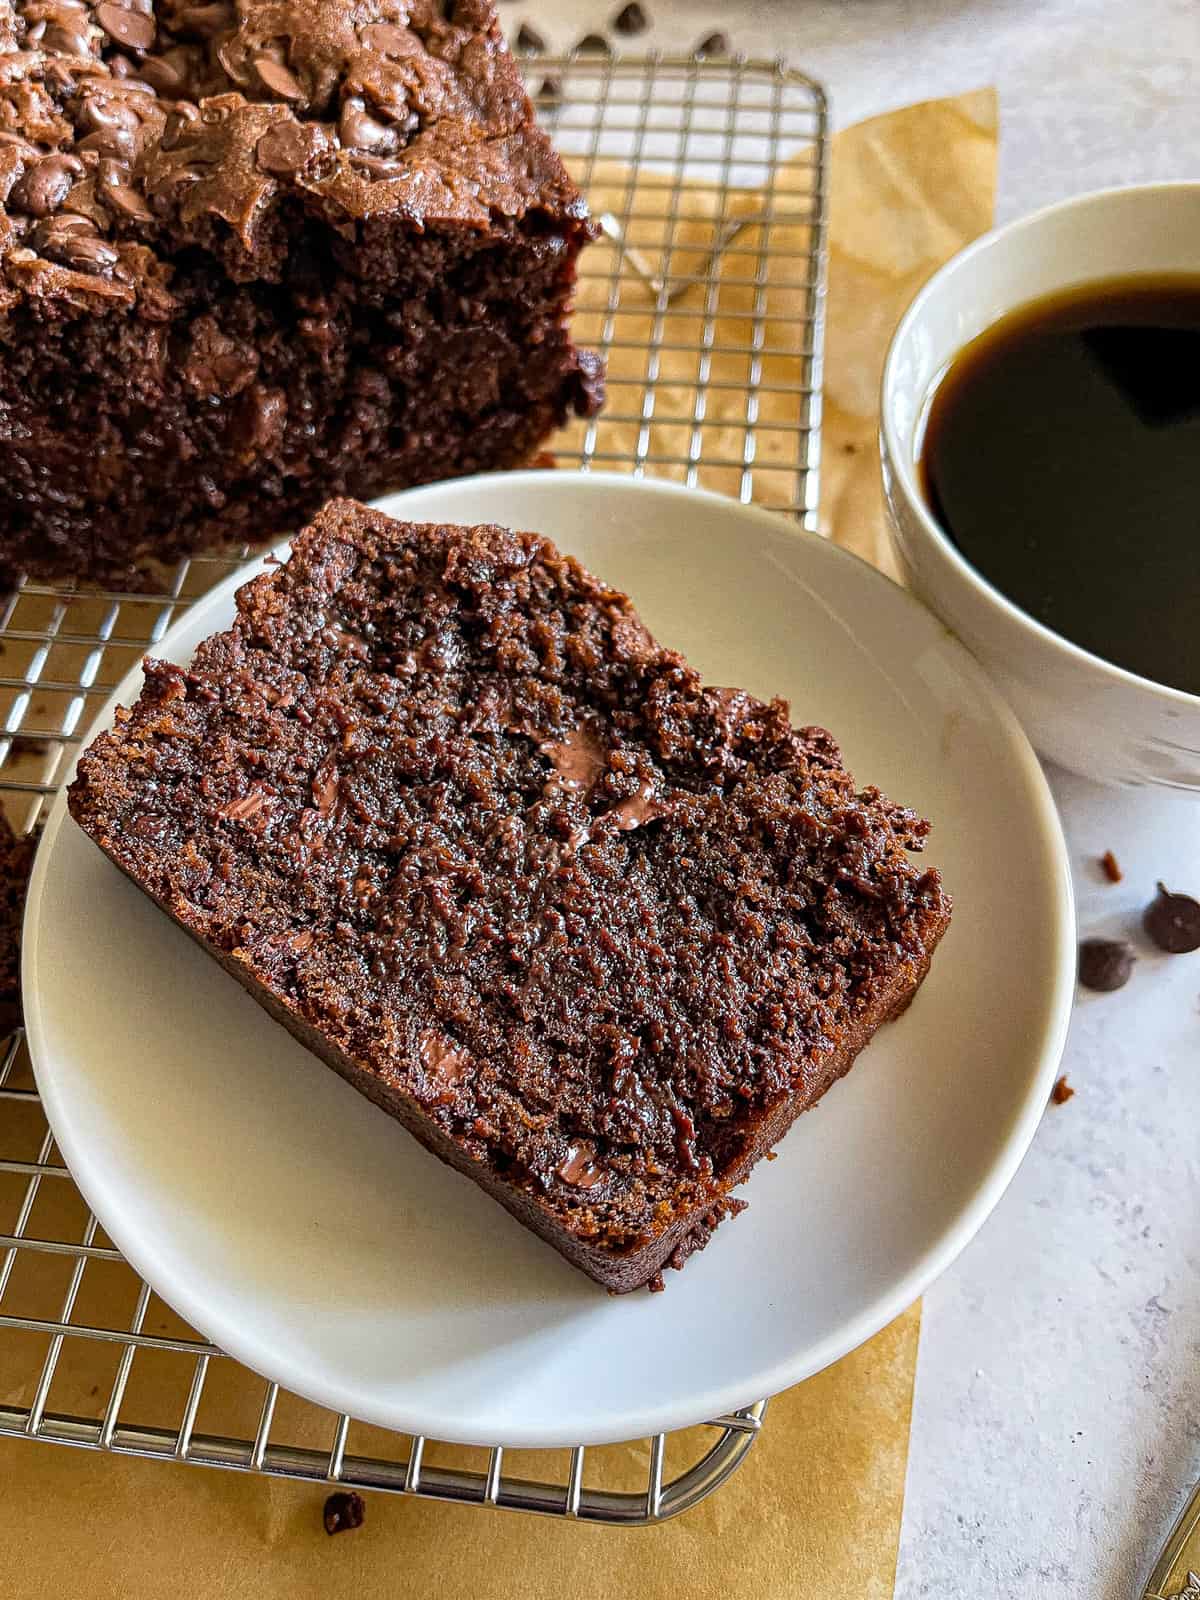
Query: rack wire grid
point(705, 294)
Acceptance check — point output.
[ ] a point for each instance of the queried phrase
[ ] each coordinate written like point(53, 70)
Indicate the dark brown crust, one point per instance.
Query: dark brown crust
point(767, 919)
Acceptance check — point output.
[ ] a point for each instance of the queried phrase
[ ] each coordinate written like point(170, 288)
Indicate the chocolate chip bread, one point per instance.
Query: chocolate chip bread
point(594, 932)
point(252, 254)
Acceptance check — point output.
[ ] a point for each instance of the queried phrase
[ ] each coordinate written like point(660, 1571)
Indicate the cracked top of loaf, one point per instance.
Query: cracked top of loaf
point(133, 129)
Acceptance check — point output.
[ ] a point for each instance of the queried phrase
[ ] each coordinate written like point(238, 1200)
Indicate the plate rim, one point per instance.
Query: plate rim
point(274, 1364)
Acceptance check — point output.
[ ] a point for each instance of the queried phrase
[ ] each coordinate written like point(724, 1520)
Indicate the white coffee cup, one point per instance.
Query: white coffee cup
point(1078, 709)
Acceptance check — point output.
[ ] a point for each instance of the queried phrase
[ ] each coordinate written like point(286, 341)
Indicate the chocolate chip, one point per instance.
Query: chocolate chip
point(231, 57)
point(529, 41)
point(68, 38)
point(343, 1511)
point(23, 145)
point(1110, 867)
point(116, 143)
point(713, 44)
point(578, 1169)
point(1105, 964)
point(182, 123)
point(279, 79)
point(377, 168)
point(631, 19)
point(88, 253)
point(151, 826)
point(129, 202)
point(45, 186)
point(1172, 921)
point(206, 20)
point(594, 44)
point(282, 150)
point(358, 130)
point(128, 28)
point(165, 76)
point(386, 38)
point(108, 109)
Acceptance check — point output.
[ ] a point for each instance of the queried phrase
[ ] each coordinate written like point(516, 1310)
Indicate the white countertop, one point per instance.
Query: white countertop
point(1057, 1414)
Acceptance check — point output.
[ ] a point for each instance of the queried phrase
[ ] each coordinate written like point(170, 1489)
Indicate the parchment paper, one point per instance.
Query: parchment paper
point(815, 1512)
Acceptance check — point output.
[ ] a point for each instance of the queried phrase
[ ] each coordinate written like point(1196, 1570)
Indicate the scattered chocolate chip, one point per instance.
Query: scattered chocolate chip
point(1110, 867)
point(45, 186)
point(282, 150)
point(631, 19)
point(1105, 964)
point(164, 75)
point(124, 27)
point(128, 202)
point(148, 825)
point(386, 38)
point(74, 242)
point(1061, 1092)
point(594, 44)
point(106, 109)
point(551, 92)
point(344, 1510)
point(713, 44)
point(578, 1169)
point(279, 79)
point(358, 130)
point(182, 123)
point(529, 41)
point(377, 168)
point(118, 144)
point(1172, 921)
point(67, 40)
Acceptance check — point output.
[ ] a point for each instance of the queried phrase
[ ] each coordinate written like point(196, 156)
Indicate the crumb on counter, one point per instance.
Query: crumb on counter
point(1111, 867)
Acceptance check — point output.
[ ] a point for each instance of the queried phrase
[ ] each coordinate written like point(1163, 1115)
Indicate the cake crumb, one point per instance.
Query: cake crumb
point(1061, 1092)
point(1110, 867)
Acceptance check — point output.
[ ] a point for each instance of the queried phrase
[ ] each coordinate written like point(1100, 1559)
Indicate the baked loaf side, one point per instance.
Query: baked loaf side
point(255, 254)
point(595, 932)
point(16, 863)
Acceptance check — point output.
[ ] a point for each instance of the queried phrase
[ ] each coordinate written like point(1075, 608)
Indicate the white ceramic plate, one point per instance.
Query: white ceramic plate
point(312, 1238)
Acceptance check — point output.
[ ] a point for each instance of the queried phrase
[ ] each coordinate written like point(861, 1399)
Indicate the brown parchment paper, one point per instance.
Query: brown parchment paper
point(815, 1512)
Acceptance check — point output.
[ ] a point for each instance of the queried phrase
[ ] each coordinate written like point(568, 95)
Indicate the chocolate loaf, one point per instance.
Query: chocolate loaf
point(255, 254)
point(593, 931)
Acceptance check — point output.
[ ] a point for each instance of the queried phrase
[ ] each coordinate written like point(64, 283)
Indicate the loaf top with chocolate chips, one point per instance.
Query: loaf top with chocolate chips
point(130, 131)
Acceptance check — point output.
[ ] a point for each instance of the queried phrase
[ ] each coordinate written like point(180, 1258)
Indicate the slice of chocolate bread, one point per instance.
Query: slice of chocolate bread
point(594, 932)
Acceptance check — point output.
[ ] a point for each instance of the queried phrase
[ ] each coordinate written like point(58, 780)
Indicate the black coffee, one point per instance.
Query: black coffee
point(1062, 455)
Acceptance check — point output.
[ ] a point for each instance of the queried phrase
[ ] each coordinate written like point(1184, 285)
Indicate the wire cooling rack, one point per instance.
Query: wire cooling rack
point(705, 294)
